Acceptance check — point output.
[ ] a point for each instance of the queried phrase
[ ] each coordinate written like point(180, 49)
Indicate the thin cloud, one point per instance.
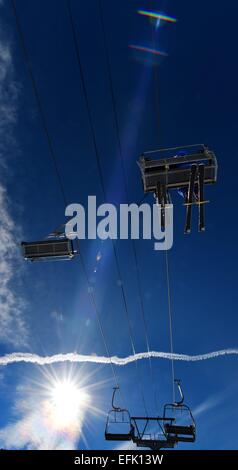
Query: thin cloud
point(59, 321)
point(208, 405)
point(119, 361)
point(57, 316)
point(8, 98)
point(212, 402)
point(13, 328)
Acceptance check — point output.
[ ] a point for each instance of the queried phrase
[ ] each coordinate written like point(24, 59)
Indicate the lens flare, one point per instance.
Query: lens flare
point(148, 50)
point(157, 24)
point(157, 16)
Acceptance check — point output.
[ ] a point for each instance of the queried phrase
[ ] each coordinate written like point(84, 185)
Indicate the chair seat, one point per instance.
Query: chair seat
point(117, 437)
point(48, 249)
point(185, 430)
point(153, 444)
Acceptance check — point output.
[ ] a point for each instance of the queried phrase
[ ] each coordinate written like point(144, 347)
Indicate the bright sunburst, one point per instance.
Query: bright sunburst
point(69, 403)
point(61, 405)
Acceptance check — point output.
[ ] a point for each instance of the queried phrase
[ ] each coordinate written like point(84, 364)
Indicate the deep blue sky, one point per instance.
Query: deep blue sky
point(197, 103)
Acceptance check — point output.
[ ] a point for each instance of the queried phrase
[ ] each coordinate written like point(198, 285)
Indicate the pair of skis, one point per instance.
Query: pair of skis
point(162, 199)
point(195, 196)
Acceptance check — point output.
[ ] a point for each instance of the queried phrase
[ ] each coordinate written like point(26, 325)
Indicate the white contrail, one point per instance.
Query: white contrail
point(118, 361)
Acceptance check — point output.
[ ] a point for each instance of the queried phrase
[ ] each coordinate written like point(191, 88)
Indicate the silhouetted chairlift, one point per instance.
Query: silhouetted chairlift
point(187, 169)
point(56, 247)
point(180, 432)
point(118, 426)
point(145, 437)
point(149, 438)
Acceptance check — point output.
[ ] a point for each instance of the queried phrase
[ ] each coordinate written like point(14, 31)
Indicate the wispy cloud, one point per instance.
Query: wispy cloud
point(57, 316)
point(208, 404)
point(59, 321)
point(119, 361)
point(13, 328)
point(213, 401)
point(8, 96)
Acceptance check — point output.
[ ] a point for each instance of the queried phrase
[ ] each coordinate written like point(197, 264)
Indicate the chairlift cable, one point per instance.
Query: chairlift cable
point(60, 180)
point(122, 159)
point(94, 303)
point(98, 160)
point(38, 100)
point(170, 320)
point(157, 103)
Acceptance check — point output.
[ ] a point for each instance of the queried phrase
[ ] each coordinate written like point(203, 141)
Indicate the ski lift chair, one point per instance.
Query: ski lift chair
point(180, 432)
point(118, 426)
point(55, 247)
point(187, 169)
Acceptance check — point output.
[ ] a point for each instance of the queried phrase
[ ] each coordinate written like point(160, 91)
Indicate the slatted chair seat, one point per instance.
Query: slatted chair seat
point(154, 444)
point(173, 429)
point(180, 433)
point(118, 437)
point(48, 249)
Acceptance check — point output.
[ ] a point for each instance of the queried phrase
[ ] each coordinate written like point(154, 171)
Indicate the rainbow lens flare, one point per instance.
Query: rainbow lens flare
point(148, 50)
point(157, 16)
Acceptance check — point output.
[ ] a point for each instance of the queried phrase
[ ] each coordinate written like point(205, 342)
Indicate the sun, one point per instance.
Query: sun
point(68, 403)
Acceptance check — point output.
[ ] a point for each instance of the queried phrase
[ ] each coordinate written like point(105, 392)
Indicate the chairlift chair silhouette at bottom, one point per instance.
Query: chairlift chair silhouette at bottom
point(118, 426)
point(154, 433)
point(121, 426)
point(145, 436)
point(180, 432)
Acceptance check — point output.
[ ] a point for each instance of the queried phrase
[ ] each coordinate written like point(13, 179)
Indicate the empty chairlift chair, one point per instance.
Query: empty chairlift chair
point(186, 169)
point(183, 427)
point(118, 426)
point(56, 247)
